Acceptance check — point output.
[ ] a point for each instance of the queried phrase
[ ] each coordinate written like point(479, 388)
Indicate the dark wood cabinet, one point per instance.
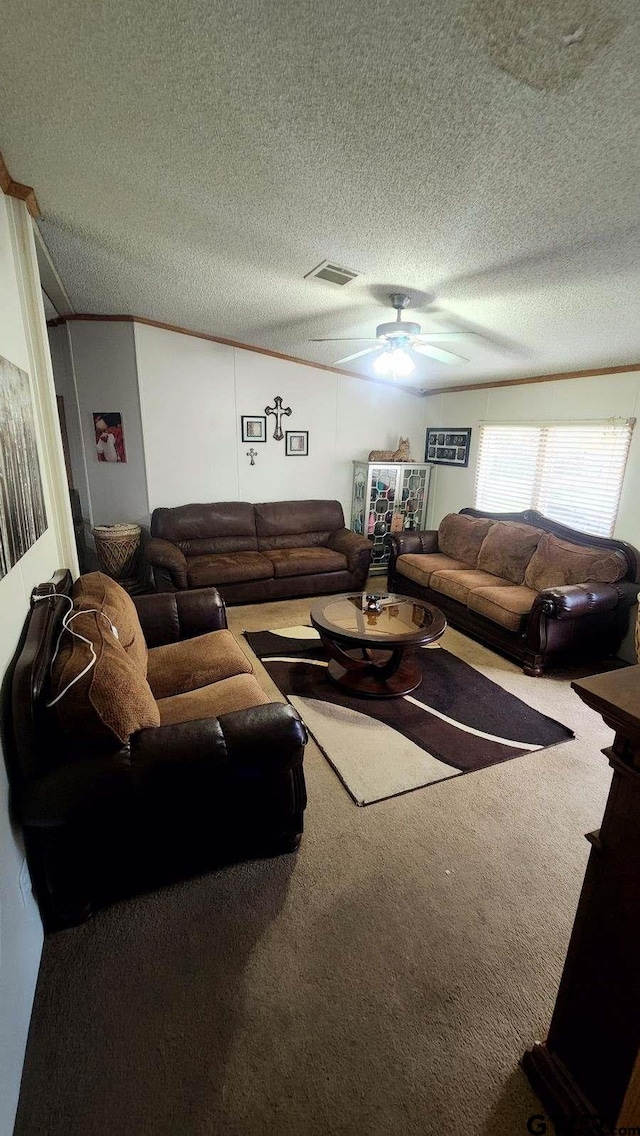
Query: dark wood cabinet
point(588, 1069)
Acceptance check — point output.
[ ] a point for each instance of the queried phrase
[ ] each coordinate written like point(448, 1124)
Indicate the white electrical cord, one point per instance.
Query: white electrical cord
point(67, 619)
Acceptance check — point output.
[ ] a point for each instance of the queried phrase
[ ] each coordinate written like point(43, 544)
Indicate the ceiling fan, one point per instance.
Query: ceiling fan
point(395, 341)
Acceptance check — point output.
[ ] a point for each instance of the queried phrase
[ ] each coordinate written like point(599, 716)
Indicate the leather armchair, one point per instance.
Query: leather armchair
point(173, 798)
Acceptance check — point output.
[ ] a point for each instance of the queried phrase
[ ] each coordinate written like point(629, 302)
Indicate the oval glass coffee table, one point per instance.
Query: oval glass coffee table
point(372, 650)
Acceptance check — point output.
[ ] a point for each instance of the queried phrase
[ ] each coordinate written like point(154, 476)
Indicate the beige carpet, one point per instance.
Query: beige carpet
point(383, 982)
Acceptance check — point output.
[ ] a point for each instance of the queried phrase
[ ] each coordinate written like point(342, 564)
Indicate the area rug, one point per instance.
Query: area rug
point(457, 721)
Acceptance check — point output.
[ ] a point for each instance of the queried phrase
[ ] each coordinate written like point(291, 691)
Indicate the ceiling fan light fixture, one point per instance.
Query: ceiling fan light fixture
point(394, 362)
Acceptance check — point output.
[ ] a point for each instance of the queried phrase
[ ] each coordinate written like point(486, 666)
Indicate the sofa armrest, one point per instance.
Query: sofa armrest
point(168, 617)
point(266, 738)
point(408, 541)
point(168, 557)
point(355, 547)
point(73, 789)
point(411, 541)
point(572, 601)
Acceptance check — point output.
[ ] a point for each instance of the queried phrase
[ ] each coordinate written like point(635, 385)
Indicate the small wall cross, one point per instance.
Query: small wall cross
point(253, 455)
point(278, 410)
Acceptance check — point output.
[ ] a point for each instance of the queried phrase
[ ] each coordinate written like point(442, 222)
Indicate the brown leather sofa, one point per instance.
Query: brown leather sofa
point(165, 757)
point(534, 589)
point(257, 552)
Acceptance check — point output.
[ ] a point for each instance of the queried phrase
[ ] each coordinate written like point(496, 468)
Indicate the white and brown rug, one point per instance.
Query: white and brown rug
point(457, 721)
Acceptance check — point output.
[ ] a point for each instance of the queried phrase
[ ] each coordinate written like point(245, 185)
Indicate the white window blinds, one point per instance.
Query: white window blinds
point(571, 472)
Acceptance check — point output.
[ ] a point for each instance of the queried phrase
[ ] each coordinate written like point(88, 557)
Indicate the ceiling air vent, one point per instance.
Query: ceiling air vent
point(333, 273)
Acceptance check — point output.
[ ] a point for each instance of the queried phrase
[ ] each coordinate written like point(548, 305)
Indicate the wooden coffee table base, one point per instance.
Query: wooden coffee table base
point(372, 673)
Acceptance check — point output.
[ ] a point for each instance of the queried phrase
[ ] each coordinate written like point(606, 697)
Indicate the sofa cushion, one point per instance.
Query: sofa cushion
point(96, 590)
point(281, 519)
point(316, 539)
point(507, 606)
point(113, 699)
point(460, 537)
point(237, 693)
point(227, 568)
point(305, 561)
point(420, 566)
point(222, 526)
point(507, 549)
point(459, 583)
point(556, 562)
point(192, 663)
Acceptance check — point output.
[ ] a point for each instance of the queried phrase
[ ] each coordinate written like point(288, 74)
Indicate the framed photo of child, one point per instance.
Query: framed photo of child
point(109, 433)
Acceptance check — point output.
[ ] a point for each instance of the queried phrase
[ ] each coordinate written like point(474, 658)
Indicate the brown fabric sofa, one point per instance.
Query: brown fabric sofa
point(257, 552)
point(164, 755)
point(534, 589)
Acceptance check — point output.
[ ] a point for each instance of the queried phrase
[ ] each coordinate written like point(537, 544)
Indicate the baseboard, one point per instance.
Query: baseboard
point(563, 1099)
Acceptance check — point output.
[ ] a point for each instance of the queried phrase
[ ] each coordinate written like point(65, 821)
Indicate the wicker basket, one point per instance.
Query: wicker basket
point(118, 550)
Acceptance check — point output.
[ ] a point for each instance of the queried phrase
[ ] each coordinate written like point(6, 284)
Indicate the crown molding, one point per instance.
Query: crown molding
point(17, 189)
point(85, 316)
point(593, 372)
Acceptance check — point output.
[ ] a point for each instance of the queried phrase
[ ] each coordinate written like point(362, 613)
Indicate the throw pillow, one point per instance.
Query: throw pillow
point(97, 590)
point(557, 562)
point(460, 536)
point(113, 699)
point(507, 549)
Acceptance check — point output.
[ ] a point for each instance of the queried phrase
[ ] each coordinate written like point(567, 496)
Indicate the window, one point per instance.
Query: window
point(571, 472)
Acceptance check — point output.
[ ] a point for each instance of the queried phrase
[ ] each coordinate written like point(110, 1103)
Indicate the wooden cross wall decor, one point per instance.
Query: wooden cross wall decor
point(278, 410)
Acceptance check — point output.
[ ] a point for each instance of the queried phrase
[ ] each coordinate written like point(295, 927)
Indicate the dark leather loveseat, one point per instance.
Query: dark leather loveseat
point(162, 758)
point(257, 552)
point(536, 590)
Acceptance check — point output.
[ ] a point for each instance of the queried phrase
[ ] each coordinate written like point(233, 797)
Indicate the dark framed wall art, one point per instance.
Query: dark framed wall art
point(254, 427)
point(296, 443)
point(448, 445)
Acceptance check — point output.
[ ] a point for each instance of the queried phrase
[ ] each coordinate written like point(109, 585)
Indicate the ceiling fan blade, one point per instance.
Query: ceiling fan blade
point(498, 341)
point(438, 353)
point(348, 339)
point(428, 336)
point(367, 351)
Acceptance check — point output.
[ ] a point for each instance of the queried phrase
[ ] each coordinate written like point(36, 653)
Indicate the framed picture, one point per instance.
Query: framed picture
point(23, 517)
point(109, 436)
point(296, 443)
point(254, 427)
point(448, 446)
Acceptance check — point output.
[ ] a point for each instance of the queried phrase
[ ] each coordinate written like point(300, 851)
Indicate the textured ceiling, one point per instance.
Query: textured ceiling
point(193, 159)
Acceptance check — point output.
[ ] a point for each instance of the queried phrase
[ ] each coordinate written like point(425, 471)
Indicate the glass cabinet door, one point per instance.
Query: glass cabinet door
point(412, 497)
point(383, 482)
point(387, 499)
point(360, 499)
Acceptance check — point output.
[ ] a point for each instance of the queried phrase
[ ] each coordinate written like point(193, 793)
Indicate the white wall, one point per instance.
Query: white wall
point(23, 341)
point(193, 393)
point(187, 397)
point(104, 368)
point(601, 396)
point(65, 383)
